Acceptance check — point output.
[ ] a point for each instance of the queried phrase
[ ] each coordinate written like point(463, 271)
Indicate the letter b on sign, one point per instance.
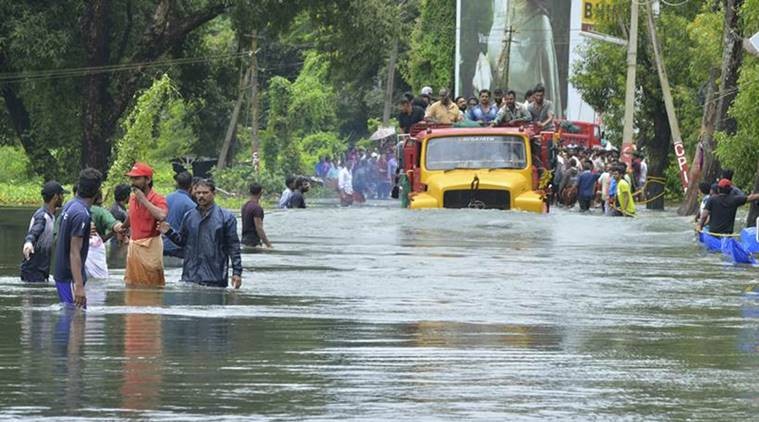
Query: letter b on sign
point(588, 10)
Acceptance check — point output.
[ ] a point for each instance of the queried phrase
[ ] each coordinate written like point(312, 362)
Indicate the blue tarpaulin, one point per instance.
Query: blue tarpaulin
point(737, 251)
point(748, 238)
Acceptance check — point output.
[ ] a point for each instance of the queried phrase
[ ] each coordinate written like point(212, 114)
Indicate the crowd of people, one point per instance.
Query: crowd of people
point(499, 107)
point(358, 175)
point(186, 225)
point(595, 178)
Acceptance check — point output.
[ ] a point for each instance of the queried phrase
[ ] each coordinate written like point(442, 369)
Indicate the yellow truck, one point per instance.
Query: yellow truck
point(482, 168)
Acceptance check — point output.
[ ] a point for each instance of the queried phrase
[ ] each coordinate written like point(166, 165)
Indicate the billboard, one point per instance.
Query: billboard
point(514, 44)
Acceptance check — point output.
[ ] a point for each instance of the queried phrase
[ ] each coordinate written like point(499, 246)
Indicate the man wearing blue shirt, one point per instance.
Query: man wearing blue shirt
point(73, 240)
point(586, 187)
point(484, 111)
point(179, 203)
point(208, 234)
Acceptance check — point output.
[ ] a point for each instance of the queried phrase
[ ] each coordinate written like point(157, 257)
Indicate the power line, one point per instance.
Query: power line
point(25, 76)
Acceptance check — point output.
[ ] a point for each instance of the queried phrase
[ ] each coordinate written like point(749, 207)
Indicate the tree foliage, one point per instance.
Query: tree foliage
point(430, 58)
point(741, 151)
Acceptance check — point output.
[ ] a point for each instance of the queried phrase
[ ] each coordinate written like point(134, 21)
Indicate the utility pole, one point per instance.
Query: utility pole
point(254, 99)
point(677, 140)
point(632, 61)
point(504, 62)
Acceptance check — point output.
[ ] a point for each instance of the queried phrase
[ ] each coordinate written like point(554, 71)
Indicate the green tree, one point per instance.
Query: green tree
point(430, 58)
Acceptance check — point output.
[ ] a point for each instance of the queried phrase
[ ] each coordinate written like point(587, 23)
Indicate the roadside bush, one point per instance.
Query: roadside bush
point(16, 165)
point(236, 179)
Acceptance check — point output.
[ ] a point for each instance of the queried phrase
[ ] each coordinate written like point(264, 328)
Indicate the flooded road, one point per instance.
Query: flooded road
point(381, 313)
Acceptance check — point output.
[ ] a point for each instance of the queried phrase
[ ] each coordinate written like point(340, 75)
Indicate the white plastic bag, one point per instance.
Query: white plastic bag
point(96, 265)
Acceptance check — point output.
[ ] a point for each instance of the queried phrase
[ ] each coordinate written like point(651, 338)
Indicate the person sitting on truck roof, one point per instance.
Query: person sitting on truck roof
point(409, 115)
point(497, 97)
point(484, 111)
point(511, 114)
point(472, 102)
point(444, 110)
point(424, 99)
point(540, 109)
point(528, 98)
point(461, 103)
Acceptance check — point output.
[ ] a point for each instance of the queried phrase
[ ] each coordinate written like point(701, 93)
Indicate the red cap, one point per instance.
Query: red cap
point(140, 169)
point(725, 183)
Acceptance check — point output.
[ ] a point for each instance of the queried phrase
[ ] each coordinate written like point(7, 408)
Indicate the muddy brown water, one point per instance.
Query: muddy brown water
point(378, 313)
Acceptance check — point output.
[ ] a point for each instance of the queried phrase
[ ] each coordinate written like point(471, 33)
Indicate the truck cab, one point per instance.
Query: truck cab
point(483, 168)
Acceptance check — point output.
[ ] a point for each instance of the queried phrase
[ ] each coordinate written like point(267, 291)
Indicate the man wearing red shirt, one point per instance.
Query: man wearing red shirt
point(144, 263)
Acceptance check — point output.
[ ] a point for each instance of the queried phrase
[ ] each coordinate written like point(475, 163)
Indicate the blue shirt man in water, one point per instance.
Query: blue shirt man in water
point(208, 235)
point(73, 240)
point(179, 202)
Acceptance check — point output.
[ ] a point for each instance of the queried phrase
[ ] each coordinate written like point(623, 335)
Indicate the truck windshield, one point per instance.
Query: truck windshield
point(476, 152)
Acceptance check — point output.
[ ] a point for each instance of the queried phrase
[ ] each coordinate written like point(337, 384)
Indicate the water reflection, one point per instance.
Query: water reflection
point(453, 334)
point(68, 357)
point(386, 314)
point(143, 350)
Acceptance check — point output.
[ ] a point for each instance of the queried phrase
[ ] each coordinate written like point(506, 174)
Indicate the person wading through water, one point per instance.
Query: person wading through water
point(144, 263)
point(73, 241)
point(38, 243)
point(208, 235)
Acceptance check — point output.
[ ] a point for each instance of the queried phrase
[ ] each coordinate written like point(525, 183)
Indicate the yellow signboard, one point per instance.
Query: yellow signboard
point(590, 11)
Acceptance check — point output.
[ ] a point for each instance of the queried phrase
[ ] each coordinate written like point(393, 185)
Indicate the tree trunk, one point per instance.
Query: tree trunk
point(107, 97)
point(705, 164)
point(732, 58)
point(657, 156)
point(96, 35)
point(389, 87)
point(232, 127)
point(40, 158)
point(254, 100)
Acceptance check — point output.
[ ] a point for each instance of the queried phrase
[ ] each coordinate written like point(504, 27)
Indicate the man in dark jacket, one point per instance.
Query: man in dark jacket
point(38, 244)
point(208, 235)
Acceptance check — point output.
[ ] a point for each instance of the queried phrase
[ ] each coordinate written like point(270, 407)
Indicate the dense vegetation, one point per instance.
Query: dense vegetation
point(104, 83)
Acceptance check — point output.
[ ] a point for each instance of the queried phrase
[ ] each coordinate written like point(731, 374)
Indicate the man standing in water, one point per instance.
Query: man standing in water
point(208, 235)
point(624, 192)
point(252, 216)
point(38, 244)
point(73, 240)
point(297, 200)
point(345, 184)
point(179, 203)
point(720, 209)
point(144, 263)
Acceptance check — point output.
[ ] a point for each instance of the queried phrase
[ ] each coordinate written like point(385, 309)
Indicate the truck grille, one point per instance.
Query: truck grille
point(481, 199)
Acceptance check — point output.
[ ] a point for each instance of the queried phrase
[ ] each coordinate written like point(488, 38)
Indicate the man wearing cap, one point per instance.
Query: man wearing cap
point(721, 208)
point(443, 111)
point(144, 263)
point(424, 99)
point(38, 244)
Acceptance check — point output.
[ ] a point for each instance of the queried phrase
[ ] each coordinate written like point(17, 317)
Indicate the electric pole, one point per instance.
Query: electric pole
point(628, 141)
point(669, 104)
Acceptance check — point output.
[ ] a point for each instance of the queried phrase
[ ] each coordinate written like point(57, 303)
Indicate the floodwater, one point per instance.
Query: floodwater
point(378, 313)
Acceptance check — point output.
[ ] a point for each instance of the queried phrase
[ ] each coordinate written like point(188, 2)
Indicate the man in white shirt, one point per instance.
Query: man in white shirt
point(285, 198)
point(345, 184)
point(605, 181)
